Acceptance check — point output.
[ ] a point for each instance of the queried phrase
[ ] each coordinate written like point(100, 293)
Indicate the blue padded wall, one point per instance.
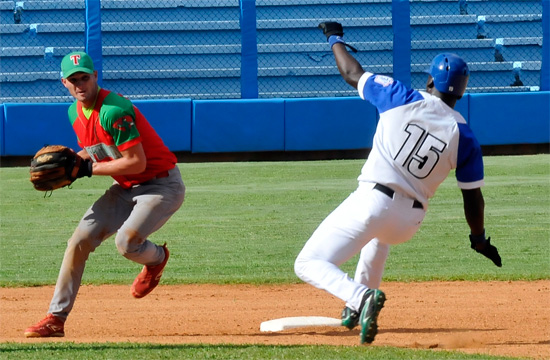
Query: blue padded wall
point(462, 106)
point(502, 119)
point(171, 119)
point(328, 124)
point(49, 124)
point(28, 127)
point(2, 150)
point(238, 125)
point(277, 124)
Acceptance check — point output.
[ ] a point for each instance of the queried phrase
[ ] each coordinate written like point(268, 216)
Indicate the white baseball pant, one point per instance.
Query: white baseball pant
point(368, 221)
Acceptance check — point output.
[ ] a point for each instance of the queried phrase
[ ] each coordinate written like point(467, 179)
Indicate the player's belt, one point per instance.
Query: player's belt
point(386, 190)
point(160, 175)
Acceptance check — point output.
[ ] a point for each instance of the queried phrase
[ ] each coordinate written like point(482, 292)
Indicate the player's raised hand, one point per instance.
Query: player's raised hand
point(331, 28)
point(334, 32)
point(485, 248)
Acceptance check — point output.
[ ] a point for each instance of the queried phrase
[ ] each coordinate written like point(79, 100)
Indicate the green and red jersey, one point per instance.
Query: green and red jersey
point(115, 125)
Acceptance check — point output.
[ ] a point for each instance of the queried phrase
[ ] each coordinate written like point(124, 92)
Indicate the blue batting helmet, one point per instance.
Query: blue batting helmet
point(450, 73)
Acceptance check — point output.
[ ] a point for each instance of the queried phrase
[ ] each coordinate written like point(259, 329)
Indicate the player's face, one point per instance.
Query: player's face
point(83, 87)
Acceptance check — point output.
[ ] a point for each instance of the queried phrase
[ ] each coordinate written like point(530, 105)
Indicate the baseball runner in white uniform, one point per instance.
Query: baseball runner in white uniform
point(419, 139)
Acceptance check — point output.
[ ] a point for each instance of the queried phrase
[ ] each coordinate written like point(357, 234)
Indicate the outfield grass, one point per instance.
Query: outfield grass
point(246, 222)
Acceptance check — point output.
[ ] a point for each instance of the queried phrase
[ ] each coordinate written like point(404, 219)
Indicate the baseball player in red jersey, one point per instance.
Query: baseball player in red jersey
point(419, 139)
point(117, 141)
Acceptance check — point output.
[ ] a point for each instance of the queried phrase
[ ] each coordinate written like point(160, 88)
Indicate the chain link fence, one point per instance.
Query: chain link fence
point(162, 49)
point(500, 40)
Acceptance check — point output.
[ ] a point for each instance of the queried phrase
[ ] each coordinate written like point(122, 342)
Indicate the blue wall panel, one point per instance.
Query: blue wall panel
point(171, 119)
point(238, 125)
point(2, 151)
point(28, 127)
point(329, 124)
point(50, 125)
point(463, 107)
point(277, 124)
point(501, 119)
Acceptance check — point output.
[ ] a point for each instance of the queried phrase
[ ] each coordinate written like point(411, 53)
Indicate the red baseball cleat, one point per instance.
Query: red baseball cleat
point(149, 277)
point(50, 326)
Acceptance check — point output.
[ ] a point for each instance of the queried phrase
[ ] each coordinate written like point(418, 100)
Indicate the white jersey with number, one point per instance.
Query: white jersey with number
point(418, 141)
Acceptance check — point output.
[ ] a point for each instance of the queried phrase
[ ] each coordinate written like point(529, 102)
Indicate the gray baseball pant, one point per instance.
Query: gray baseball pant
point(133, 214)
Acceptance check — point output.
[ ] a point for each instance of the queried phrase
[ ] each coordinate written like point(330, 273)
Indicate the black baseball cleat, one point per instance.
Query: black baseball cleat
point(373, 302)
point(350, 318)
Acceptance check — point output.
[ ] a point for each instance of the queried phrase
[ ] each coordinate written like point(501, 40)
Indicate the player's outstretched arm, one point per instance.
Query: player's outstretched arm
point(474, 210)
point(349, 67)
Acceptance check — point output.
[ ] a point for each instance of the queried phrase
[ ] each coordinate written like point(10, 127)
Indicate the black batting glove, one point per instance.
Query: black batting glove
point(483, 246)
point(331, 28)
point(334, 32)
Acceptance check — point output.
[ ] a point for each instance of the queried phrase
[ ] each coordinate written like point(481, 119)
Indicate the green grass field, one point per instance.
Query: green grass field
point(131, 351)
point(246, 222)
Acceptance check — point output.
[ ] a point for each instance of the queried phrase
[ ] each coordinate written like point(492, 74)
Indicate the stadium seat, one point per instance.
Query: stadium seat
point(175, 48)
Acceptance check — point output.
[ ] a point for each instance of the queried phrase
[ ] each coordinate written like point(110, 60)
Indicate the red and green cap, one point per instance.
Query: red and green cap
point(76, 62)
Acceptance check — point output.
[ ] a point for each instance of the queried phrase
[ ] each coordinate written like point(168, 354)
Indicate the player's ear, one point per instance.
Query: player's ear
point(430, 84)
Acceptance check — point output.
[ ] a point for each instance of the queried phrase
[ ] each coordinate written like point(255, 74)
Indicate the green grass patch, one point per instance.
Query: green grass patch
point(123, 351)
point(246, 222)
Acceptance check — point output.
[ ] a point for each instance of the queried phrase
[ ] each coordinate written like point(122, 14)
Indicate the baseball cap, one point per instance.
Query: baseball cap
point(77, 61)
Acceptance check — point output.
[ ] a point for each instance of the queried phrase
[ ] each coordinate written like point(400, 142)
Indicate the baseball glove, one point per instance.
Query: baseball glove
point(56, 166)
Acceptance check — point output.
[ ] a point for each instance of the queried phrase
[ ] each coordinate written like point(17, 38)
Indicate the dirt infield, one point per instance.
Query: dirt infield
point(496, 318)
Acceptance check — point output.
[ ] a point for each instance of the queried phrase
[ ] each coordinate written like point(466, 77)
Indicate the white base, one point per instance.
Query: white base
point(298, 322)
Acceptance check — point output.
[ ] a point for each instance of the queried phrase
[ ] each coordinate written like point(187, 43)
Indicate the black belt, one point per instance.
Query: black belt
point(386, 190)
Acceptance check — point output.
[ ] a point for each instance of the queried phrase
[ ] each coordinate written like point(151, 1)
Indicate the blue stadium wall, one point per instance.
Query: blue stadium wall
point(264, 125)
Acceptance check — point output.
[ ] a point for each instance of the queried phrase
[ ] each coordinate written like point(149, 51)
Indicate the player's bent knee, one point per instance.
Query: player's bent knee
point(80, 247)
point(124, 248)
point(128, 242)
point(300, 266)
point(79, 244)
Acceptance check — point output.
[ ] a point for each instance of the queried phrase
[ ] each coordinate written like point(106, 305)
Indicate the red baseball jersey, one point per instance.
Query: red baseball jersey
point(114, 126)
